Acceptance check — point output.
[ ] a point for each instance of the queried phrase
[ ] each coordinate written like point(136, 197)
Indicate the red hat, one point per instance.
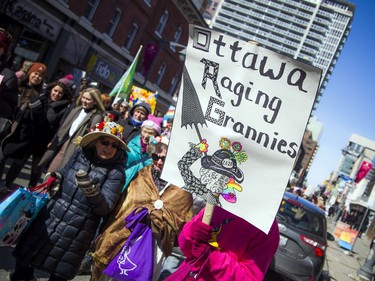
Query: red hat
point(37, 67)
point(69, 77)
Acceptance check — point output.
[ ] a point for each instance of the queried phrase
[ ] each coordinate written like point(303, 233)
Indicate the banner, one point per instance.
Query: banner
point(239, 122)
point(149, 56)
point(124, 85)
point(363, 170)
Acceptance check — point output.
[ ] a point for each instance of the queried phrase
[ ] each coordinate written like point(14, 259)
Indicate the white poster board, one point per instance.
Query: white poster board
point(250, 106)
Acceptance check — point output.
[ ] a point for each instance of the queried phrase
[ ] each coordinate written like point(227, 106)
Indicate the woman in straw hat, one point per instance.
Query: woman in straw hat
point(91, 182)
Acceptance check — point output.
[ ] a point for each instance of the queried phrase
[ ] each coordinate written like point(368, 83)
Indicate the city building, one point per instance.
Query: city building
point(352, 183)
point(101, 38)
point(312, 31)
point(303, 163)
point(309, 148)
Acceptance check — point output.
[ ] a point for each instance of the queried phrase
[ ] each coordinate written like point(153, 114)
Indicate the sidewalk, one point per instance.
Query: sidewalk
point(342, 264)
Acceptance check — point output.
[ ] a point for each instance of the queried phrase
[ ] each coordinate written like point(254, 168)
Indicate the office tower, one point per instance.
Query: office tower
point(312, 31)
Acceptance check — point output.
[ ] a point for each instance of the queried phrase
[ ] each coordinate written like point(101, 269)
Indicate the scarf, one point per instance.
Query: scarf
point(135, 123)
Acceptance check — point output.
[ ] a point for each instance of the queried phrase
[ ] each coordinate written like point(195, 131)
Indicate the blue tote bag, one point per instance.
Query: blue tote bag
point(135, 260)
point(19, 209)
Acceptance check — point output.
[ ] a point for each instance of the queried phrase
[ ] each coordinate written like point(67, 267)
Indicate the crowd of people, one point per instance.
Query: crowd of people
point(107, 158)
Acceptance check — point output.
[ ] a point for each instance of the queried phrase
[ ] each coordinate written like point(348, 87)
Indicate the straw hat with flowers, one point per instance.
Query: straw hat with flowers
point(105, 129)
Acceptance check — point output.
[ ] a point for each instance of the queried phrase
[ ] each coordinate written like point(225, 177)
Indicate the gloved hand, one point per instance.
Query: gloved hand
point(200, 231)
point(55, 186)
point(201, 234)
point(87, 186)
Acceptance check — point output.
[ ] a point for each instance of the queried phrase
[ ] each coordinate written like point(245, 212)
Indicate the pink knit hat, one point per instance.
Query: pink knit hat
point(153, 122)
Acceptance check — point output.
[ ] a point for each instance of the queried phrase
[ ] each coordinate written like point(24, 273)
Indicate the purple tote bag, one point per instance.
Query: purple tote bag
point(136, 259)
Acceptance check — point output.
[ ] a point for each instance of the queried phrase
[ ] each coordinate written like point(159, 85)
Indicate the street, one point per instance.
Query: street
point(341, 264)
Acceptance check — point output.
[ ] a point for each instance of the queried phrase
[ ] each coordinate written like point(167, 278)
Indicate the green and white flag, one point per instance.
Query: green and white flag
point(123, 87)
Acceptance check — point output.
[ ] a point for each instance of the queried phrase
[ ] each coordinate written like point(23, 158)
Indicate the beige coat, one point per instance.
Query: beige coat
point(62, 135)
point(166, 222)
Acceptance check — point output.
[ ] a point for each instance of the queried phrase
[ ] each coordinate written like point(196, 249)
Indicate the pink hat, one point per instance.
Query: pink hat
point(153, 122)
point(69, 77)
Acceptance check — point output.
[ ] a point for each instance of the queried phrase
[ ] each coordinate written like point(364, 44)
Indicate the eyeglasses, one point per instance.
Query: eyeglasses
point(156, 157)
point(106, 143)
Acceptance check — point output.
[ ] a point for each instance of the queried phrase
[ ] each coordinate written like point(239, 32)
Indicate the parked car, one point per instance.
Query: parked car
point(303, 240)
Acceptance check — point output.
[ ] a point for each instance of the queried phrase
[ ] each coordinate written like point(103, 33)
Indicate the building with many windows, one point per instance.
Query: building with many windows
point(99, 39)
point(312, 31)
point(352, 183)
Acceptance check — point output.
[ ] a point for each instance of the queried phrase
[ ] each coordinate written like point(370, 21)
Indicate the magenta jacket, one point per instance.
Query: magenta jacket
point(245, 253)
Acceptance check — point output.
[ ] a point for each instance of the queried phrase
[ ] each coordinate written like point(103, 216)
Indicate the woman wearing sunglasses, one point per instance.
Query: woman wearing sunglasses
point(169, 207)
point(91, 183)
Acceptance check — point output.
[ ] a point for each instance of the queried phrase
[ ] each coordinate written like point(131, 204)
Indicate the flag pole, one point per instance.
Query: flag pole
point(123, 86)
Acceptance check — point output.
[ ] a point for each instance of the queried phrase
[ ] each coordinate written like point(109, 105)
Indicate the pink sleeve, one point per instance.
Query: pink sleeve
point(184, 239)
point(253, 266)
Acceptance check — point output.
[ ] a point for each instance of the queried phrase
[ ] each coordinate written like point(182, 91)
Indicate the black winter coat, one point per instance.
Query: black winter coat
point(130, 131)
point(57, 240)
point(28, 137)
point(8, 92)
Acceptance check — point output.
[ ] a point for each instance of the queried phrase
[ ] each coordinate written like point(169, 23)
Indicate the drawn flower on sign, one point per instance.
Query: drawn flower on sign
point(235, 148)
point(224, 143)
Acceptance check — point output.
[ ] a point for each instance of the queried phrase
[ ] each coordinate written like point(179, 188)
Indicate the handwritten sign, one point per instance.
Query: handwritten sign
point(239, 122)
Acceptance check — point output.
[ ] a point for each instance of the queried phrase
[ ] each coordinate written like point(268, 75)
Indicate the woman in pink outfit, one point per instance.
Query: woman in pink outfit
point(230, 249)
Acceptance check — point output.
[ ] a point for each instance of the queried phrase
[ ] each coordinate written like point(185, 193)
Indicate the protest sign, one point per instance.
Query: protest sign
point(239, 122)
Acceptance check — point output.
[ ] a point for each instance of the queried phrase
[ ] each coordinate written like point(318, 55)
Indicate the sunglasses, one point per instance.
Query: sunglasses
point(156, 157)
point(106, 143)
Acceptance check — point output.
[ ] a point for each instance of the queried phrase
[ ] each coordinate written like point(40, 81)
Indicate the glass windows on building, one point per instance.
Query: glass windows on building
point(176, 38)
point(162, 23)
point(114, 22)
point(161, 73)
point(131, 36)
point(92, 5)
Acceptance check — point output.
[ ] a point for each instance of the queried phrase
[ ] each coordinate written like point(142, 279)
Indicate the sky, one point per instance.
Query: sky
point(348, 103)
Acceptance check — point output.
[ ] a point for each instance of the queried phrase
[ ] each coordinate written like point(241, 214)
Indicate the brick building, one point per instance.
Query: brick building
point(100, 39)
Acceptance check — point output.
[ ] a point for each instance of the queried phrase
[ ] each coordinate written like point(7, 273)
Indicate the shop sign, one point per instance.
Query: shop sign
point(34, 18)
point(103, 71)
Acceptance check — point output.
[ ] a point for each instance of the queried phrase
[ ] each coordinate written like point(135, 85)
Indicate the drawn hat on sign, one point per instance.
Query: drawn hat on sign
point(223, 162)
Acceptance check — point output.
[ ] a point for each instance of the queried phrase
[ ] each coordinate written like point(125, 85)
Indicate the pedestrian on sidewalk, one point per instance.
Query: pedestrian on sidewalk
point(27, 131)
point(8, 85)
point(55, 102)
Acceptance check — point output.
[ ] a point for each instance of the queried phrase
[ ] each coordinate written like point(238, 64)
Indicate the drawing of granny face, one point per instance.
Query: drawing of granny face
point(213, 180)
point(219, 174)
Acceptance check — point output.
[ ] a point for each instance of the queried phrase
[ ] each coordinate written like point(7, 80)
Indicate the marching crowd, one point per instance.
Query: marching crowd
point(106, 159)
